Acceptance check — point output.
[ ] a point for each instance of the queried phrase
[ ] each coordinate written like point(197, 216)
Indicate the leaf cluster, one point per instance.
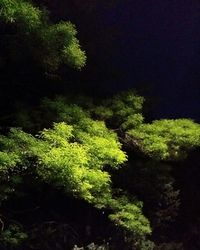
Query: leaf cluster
point(167, 139)
point(50, 45)
point(74, 155)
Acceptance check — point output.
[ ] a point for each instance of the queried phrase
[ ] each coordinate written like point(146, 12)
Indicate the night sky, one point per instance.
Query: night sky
point(150, 44)
point(163, 49)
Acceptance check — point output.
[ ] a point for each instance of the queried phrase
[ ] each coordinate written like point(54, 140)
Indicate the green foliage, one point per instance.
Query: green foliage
point(14, 235)
point(129, 215)
point(59, 110)
point(103, 113)
point(126, 103)
point(167, 139)
point(73, 157)
point(79, 154)
point(21, 13)
point(49, 44)
point(60, 45)
point(100, 141)
point(153, 182)
point(132, 121)
point(71, 163)
point(122, 111)
point(8, 160)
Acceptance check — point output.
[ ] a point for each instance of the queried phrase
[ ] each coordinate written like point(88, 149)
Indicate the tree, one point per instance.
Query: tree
point(28, 27)
point(74, 156)
point(101, 152)
point(82, 149)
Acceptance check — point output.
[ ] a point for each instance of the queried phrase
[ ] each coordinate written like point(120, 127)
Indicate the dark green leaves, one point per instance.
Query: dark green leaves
point(50, 45)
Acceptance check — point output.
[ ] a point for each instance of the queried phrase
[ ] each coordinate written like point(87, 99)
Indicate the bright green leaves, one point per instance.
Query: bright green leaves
point(66, 166)
point(76, 157)
point(70, 156)
point(129, 215)
point(161, 140)
point(58, 136)
point(78, 152)
point(73, 157)
point(76, 160)
point(21, 13)
point(50, 45)
point(125, 213)
point(8, 160)
point(102, 144)
point(167, 139)
point(73, 55)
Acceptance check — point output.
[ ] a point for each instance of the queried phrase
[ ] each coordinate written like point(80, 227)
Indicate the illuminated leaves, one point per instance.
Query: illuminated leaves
point(21, 13)
point(78, 151)
point(51, 45)
point(167, 139)
point(129, 215)
point(8, 161)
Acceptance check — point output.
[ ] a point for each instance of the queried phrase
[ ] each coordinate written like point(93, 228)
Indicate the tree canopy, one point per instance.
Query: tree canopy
point(99, 152)
point(167, 139)
point(78, 152)
point(28, 27)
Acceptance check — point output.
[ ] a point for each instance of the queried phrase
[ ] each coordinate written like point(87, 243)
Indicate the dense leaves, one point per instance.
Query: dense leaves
point(50, 45)
point(73, 157)
point(123, 111)
point(101, 154)
point(21, 13)
point(167, 139)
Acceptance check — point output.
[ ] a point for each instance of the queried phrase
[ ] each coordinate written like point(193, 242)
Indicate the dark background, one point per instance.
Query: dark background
point(152, 45)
